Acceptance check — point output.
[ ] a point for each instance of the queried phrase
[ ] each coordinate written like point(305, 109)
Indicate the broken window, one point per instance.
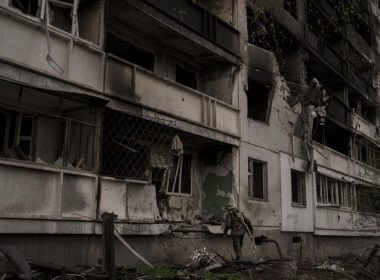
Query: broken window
point(368, 199)
point(257, 179)
point(41, 130)
point(60, 14)
point(180, 176)
point(89, 20)
point(332, 135)
point(16, 132)
point(291, 7)
point(130, 52)
point(333, 192)
point(258, 96)
point(186, 77)
point(132, 146)
point(264, 32)
point(29, 7)
point(365, 151)
point(50, 140)
point(298, 187)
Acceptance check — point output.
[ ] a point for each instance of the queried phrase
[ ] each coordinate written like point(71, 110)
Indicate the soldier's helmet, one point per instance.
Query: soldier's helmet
point(229, 207)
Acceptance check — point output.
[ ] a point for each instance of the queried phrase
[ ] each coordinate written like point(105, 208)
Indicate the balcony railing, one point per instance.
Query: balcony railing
point(336, 61)
point(334, 160)
point(324, 49)
point(201, 21)
point(126, 80)
point(363, 126)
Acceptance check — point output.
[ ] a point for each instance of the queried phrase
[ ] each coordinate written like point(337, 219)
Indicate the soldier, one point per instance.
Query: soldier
point(239, 224)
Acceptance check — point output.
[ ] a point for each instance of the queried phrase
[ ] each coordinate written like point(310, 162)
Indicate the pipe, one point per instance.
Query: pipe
point(263, 239)
point(129, 247)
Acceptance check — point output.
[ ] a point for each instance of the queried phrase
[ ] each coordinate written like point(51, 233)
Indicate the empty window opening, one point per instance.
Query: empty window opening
point(333, 192)
point(29, 7)
point(180, 175)
point(60, 14)
point(291, 7)
point(258, 96)
point(257, 179)
point(186, 77)
point(298, 187)
point(16, 132)
point(332, 135)
point(127, 51)
point(89, 20)
point(296, 239)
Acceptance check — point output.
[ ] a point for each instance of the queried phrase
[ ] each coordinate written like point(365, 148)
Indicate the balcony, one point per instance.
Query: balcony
point(363, 126)
point(130, 82)
point(365, 87)
point(333, 160)
point(180, 25)
point(201, 21)
point(36, 191)
point(327, 52)
point(80, 62)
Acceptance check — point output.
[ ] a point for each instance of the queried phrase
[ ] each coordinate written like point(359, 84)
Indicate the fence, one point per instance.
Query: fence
point(132, 145)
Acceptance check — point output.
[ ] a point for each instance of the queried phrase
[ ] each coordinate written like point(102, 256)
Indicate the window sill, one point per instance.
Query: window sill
point(255, 200)
point(299, 205)
point(43, 166)
point(180, 194)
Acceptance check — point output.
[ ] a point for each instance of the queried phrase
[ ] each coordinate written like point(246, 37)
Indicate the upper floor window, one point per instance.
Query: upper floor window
point(258, 97)
point(298, 187)
point(257, 179)
point(64, 15)
point(29, 7)
point(291, 7)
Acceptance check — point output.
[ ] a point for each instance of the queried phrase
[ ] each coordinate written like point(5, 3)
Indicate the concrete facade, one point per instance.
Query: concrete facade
point(90, 105)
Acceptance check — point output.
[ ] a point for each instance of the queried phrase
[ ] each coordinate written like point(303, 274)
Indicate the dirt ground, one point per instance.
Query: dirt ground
point(334, 269)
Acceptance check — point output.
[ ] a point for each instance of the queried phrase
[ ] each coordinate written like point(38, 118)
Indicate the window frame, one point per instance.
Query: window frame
point(269, 102)
point(342, 193)
point(264, 180)
point(301, 190)
point(74, 18)
point(179, 193)
point(19, 109)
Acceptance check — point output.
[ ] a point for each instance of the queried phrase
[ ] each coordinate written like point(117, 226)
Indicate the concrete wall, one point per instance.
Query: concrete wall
point(80, 63)
point(33, 191)
point(296, 218)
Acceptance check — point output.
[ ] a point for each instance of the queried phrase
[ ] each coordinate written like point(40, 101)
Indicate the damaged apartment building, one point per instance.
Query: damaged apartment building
point(163, 112)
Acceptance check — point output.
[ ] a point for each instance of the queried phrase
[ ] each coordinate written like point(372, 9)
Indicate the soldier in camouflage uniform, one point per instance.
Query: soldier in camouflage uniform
point(239, 224)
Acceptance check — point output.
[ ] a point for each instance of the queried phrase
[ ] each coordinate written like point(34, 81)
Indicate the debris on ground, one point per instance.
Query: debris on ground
point(209, 265)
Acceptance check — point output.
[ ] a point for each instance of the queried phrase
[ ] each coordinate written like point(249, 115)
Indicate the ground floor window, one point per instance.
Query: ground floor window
point(335, 192)
point(298, 187)
point(180, 175)
point(257, 179)
point(45, 128)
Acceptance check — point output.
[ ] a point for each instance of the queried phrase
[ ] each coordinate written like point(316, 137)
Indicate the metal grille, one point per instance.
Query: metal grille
point(132, 145)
